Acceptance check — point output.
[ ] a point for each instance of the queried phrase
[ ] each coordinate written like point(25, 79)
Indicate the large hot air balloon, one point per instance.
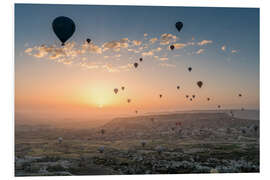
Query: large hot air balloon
point(141, 59)
point(172, 47)
point(64, 28)
point(200, 83)
point(189, 69)
point(123, 88)
point(178, 87)
point(135, 65)
point(179, 25)
point(115, 90)
point(88, 40)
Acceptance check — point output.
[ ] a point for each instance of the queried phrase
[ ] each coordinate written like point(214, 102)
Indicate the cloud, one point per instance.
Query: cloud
point(200, 51)
point(164, 59)
point(234, 51)
point(204, 42)
point(28, 50)
point(110, 68)
point(157, 49)
point(136, 42)
point(167, 38)
point(179, 45)
point(153, 40)
point(223, 48)
point(167, 65)
point(149, 53)
point(115, 45)
point(89, 66)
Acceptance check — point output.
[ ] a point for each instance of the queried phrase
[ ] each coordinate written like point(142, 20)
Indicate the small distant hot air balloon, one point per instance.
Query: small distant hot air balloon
point(179, 26)
point(208, 99)
point(159, 149)
point(200, 83)
point(136, 111)
point(88, 40)
point(193, 96)
point(187, 96)
point(115, 90)
point(178, 87)
point(101, 149)
point(242, 109)
point(128, 100)
point(240, 95)
point(64, 28)
point(160, 96)
point(218, 106)
point(172, 47)
point(135, 65)
point(102, 131)
point(141, 59)
point(143, 143)
point(123, 88)
point(60, 139)
point(190, 99)
point(189, 69)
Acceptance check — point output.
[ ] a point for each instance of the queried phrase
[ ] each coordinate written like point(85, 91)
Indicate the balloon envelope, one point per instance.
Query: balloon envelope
point(88, 40)
point(115, 90)
point(172, 47)
point(63, 27)
point(189, 69)
point(135, 65)
point(179, 25)
point(200, 83)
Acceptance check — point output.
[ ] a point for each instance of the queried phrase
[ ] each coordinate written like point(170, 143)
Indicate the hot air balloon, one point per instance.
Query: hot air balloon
point(63, 28)
point(190, 99)
point(88, 40)
point(115, 90)
point(136, 111)
point(172, 47)
point(135, 65)
point(208, 99)
point(219, 106)
point(193, 96)
point(159, 149)
point(179, 25)
point(102, 131)
point(242, 109)
point(141, 59)
point(101, 149)
point(190, 69)
point(143, 143)
point(160, 95)
point(128, 100)
point(123, 88)
point(60, 139)
point(178, 87)
point(200, 83)
point(187, 96)
point(240, 95)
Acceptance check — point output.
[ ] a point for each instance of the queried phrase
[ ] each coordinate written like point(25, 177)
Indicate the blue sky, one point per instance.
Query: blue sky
point(225, 71)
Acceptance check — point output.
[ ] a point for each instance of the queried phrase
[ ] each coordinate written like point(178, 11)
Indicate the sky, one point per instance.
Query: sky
point(77, 80)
